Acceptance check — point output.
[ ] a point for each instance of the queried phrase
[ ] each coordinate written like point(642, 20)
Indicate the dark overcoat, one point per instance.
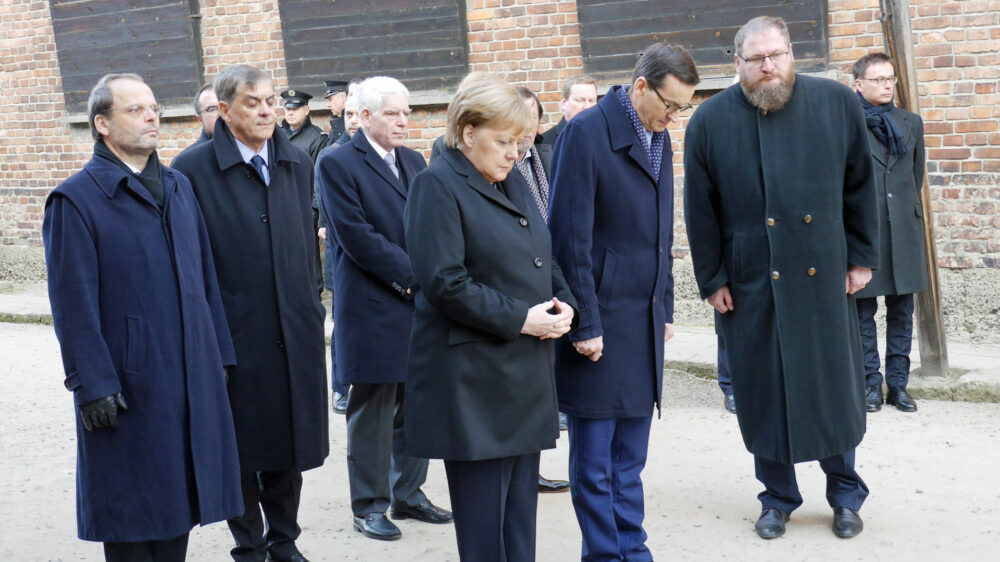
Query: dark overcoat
point(898, 181)
point(477, 388)
point(136, 308)
point(264, 244)
point(363, 202)
point(777, 206)
point(549, 137)
point(308, 137)
point(612, 229)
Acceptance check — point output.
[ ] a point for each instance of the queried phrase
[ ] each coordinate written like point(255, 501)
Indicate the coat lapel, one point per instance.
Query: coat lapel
point(108, 176)
point(876, 148)
point(476, 181)
point(621, 132)
point(904, 129)
point(377, 164)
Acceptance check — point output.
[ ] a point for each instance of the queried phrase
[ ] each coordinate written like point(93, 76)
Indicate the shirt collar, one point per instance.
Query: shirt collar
point(378, 148)
point(247, 153)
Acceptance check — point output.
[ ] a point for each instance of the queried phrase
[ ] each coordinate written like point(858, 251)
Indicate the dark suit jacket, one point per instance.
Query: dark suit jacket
point(549, 137)
point(477, 388)
point(264, 246)
point(373, 281)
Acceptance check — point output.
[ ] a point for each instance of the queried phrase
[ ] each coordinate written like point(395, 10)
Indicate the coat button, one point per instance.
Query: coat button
point(770, 222)
point(811, 271)
point(263, 219)
point(523, 221)
point(807, 219)
point(538, 262)
point(281, 344)
point(775, 275)
point(890, 196)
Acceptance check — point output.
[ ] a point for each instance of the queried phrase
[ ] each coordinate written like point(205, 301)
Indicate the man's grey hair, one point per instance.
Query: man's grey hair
point(757, 25)
point(373, 91)
point(101, 97)
point(197, 97)
point(230, 80)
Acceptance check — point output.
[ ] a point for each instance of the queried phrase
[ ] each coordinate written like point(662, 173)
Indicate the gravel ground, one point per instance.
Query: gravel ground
point(934, 476)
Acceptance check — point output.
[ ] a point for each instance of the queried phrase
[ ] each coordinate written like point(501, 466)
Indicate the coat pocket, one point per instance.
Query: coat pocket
point(461, 333)
point(606, 285)
point(135, 353)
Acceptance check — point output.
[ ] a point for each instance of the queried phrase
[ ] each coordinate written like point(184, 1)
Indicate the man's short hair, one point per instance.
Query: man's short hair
point(230, 80)
point(102, 98)
point(567, 88)
point(661, 59)
point(527, 94)
point(486, 101)
point(372, 91)
point(197, 97)
point(860, 67)
point(757, 25)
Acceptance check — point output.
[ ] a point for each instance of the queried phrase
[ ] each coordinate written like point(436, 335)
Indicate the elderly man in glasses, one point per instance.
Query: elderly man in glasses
point(783, 229)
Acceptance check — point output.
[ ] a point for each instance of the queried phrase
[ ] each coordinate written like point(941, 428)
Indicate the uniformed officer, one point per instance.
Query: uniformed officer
point(336, 98)
point(298, 126)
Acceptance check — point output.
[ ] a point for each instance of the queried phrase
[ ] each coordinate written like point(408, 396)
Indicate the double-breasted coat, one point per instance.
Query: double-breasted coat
point(136, 308)
point(373, 291)
point(777, 206)
point(477, 388)
point(263, 243)
point(898, 181)
point(612, 229)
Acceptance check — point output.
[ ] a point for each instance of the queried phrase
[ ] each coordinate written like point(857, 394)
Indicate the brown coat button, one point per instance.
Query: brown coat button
point(807, 219)
point(770, 222)
point(775, 275)
point(811, 271)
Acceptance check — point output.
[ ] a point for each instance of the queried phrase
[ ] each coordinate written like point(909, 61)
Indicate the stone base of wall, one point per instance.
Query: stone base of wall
point(20, 264)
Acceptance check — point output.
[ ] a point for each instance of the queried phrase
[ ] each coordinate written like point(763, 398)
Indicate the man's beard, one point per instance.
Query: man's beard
point(769, 97)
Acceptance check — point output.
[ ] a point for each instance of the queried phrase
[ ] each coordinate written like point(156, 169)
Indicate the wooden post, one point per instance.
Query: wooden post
point(930, 328)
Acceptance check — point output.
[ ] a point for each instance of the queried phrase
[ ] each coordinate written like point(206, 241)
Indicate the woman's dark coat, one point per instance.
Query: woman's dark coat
point(898, 181)
point(263, 243)
point(777, 206)
point(136, 309)
point(476, 388)
point(612, 227)
point(363, 203)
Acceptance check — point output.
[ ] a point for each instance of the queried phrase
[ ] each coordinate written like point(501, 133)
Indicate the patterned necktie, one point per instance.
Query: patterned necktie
point(539, 187)
point(390, 160)
point(258, 164)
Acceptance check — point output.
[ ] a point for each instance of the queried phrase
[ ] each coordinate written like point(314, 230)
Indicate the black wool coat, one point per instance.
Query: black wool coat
point(777, 206)
point(308, 137)
point(363, 203)
point(476, 387)
point(898, 181)
point(263, 244)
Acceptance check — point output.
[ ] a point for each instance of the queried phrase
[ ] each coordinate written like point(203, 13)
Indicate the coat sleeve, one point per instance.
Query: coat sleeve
point(703, 229)
point(861, 222)
point(571, 221)
point(436, 241)
point(369, 249)
point(74, 280)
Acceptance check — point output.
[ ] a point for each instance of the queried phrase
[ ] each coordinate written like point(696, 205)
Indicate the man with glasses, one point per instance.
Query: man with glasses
point(611, 204)
point(781, 220)
point(896, 139)
point(206, 111)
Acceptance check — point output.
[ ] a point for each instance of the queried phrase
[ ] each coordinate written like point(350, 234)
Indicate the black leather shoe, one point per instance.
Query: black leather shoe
point(426, 512)
point(297, 557)
point(846, 522)
point(901, 399)
point(377, 526)
point(873, 398)
point(339, 403)
point(546, 486)
point(563, 423)
point(771, 524)
point(730, 403)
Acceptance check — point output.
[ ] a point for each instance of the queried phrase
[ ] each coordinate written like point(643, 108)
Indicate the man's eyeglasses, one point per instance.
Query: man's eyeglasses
point(882, 80)
point(670, 108)
point(139, 110)
point(776, 58)
point(209, 109)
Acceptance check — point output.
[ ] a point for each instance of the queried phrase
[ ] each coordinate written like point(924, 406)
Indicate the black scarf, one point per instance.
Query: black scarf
point(149, 177)
point(883, 126)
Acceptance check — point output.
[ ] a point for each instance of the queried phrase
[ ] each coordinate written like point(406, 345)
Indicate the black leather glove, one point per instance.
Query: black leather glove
point(226, 371)
point(102, 412)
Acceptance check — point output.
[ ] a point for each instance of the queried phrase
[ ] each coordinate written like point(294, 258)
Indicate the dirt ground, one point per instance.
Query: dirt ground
point(934, 477)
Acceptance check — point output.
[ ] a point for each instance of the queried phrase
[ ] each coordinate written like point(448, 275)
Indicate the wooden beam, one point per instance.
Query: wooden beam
point(930, 327)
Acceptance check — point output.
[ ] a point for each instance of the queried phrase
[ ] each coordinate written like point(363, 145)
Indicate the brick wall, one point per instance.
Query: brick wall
point(536, 43)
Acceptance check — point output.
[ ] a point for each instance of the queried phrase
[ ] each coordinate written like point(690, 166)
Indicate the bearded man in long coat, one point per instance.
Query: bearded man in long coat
point(781, 218)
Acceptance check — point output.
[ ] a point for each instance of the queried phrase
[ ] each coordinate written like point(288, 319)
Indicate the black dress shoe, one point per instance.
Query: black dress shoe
point(546, 486)
point(339, 403)
point(730, 403)
point(563, 423)
point(873, 398)
point(771, 524)
point(377, 526)
point(297, 557)
point(426, 512)
point(846, 522)
point(901, 399)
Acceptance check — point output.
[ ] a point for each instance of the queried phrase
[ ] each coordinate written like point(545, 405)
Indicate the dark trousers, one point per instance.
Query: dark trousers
point(379, 470)
point(898, 339)
point(335, 385)
point(171, 550)
point(606, 458)
point(277, 494)
point(723, 364)
point(844, 488)
point(495, 502)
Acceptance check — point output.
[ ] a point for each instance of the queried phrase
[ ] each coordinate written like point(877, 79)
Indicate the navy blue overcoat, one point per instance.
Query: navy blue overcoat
point(136, 309)
point(612, 229)
point(363, 204)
